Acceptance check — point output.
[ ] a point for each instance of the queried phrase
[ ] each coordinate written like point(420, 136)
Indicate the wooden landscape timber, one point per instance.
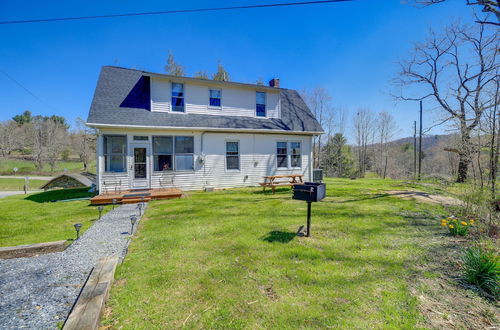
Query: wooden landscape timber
point(30, 250)
point(86, 313)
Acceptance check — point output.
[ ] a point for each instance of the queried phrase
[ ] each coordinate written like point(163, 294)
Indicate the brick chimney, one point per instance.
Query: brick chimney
point(275, 82)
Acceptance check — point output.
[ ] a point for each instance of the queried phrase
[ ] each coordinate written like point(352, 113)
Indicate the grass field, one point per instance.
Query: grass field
point(231, 259)
point(35, 219)
point(26, 167)
point(18, 184)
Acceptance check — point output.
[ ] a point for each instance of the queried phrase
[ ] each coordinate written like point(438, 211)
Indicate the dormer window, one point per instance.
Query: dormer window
point(177, 97)
point(215, 98)
point(260, 108)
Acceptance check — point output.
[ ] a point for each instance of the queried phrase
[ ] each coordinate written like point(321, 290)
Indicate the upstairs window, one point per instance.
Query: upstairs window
point(115, 153)
point(177, 97)
point(232, 155)
point(215, 98)
point(260, 109)
point(282, 155)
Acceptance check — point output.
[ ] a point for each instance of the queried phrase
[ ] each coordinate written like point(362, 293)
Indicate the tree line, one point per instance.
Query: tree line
point(46, 140)
point(172, 67)
point(455, 72)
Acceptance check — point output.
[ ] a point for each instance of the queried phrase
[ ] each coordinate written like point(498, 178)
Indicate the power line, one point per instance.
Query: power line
point(27, 90)
point(179, 11)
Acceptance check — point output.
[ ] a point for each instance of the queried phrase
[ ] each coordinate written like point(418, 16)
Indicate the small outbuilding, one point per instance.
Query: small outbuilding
point(80, 180)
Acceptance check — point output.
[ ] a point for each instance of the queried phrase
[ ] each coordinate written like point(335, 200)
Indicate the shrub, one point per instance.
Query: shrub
point(482, 269)
point(457, 227)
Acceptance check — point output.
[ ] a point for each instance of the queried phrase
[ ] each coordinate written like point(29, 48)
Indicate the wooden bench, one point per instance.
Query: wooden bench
point(273, 181)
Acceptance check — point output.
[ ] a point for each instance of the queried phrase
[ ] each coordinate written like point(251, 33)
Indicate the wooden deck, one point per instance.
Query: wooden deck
point(135, 196)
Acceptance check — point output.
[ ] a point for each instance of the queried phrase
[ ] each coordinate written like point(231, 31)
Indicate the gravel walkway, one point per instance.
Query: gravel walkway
point(39, 292)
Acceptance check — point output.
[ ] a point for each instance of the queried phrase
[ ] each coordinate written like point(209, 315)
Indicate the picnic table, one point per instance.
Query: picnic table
point(273, 181)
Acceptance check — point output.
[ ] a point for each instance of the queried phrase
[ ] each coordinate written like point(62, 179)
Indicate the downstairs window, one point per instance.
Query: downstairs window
point(173, 153)
point(115, 153)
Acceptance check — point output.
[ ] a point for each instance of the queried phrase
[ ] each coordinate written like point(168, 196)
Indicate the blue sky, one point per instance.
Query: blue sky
point(348, 48)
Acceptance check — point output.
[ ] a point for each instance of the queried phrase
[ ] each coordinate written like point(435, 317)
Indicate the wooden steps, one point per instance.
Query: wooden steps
point(135, 200)
point(135, 196)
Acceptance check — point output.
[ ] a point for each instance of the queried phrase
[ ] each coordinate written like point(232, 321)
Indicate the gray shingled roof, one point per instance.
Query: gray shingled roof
point(122, 98)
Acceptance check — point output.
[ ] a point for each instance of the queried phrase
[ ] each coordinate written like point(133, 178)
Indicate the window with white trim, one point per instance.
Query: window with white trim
point(232, 155)
point(177, 97)
point(215, 96)
point(163, 153)
point(173, 153)
point(184, 153)
point(141, 138)
point(115, 153)
point(260, 107)
point(282, 155)
point(295, 155)
point(288, 154)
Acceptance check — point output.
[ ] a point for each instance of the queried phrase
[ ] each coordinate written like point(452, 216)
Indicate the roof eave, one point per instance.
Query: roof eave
point(206, 129)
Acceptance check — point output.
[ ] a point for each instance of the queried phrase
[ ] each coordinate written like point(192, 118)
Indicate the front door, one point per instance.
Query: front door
point(140, 168)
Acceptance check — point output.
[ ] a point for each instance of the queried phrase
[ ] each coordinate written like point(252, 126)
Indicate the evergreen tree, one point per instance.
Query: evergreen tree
point(337, 158)
point(23, 118)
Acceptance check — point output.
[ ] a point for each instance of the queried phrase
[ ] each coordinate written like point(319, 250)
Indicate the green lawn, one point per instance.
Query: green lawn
point(26, 219)
point(18, 184)
point(27, 167)
point(230, 259)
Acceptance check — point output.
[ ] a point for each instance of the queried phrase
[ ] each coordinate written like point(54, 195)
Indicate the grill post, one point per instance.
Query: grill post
point(308, 230)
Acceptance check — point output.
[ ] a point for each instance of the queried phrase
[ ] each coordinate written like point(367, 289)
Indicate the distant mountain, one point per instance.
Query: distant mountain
point(428, 142)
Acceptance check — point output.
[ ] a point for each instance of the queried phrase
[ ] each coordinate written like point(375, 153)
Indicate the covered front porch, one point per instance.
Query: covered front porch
point(135, 196)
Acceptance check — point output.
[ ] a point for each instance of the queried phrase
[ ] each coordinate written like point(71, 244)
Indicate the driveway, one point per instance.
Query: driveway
point(23, 176)
point(11, 193)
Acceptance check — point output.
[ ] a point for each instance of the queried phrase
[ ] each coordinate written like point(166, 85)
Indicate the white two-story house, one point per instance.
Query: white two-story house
point(157, 130)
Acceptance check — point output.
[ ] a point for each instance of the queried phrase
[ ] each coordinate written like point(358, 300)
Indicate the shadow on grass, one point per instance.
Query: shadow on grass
point(58, 195)
point(279, 236)
point(268, 191)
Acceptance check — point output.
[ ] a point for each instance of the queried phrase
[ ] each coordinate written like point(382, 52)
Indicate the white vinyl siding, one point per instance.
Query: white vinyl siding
point(235, 101)
point(257, 158)
point(160, 95)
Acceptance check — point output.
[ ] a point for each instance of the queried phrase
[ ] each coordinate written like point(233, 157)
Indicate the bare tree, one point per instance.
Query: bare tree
point(488, 6)
point(201, 75)
point(45, 138)
point(221, 74)
point(35, 140)
point(172, 67)
point(491, 128)
point(9, 141)
point(364, 130)
point(84, 142)
point(319, 101)
point(386, 130)
point(455, 70)
point(55, 141)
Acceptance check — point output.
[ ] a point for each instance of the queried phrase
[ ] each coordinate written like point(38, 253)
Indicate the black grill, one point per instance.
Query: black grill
point(309, 191)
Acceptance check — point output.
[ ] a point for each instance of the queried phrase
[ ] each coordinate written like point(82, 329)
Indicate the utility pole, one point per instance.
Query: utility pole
point(420, 145)
point(414, 149)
